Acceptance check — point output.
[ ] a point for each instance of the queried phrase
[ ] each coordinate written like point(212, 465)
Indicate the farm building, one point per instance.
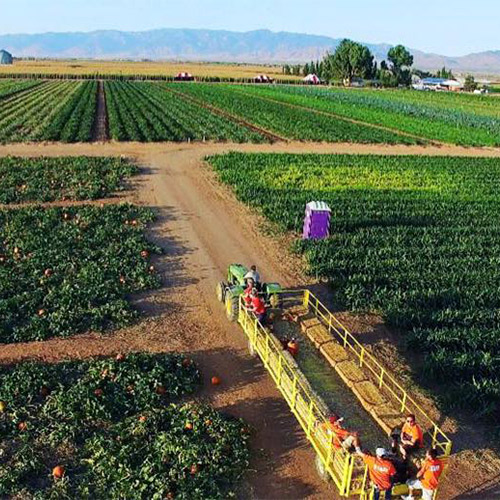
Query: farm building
point(5, 57)
point(184, 77)
point(440, 84)
point(263, 79)
point(312, 79)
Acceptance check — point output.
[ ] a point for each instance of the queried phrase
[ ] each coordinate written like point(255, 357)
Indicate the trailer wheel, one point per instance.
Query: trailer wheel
point(232, 306)
point(220, 290)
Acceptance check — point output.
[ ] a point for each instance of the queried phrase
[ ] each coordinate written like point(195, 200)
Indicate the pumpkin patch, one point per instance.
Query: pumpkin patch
point(121, 444)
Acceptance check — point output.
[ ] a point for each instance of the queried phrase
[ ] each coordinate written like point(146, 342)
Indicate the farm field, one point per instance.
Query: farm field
point(114, 428)
point(54, 179)
point(201, 228)
point(146, 112)
point(146, 68)
point(415, 238)
point(49, 111)
point(285, 121)
point(468, 120)
point(69, 270)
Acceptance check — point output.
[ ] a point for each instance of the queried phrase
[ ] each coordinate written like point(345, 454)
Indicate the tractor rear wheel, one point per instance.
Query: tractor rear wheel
point(220, 290)
point(232, 306)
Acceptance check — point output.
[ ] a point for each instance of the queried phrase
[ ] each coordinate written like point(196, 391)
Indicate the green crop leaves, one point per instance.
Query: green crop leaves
point(148, 112)
point(116, 435)
point(53, 179)
point(68, 270)
point(286, 121)
point(51, 110)
point(414, 238)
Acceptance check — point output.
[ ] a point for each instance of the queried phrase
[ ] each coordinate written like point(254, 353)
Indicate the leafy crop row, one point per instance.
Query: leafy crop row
point(69, 270)
point(147, 112)
point(109, 429)
point(11, 87)
point(286, 121)
point(415, 238)
point(49, 179)
point(449, 119)
point(53, 110)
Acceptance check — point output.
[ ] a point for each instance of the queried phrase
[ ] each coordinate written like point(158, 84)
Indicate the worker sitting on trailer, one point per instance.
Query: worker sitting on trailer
point(257, 306)
point(412, 437)
point(381, 472)
point(428, 476)
point(341, 438)
point(253, 275)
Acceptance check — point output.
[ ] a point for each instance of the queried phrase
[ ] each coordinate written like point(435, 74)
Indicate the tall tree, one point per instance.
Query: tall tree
point(470, 84)
point(351, 59)
point(401, 60)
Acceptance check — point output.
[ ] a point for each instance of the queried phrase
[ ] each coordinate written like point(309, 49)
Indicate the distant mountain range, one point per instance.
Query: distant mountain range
point(261, 46)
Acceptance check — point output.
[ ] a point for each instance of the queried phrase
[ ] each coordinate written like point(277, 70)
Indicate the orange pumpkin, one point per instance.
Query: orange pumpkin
point(58, 471)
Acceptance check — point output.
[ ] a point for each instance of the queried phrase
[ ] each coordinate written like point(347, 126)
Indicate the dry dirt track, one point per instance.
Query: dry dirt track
point(203, 230)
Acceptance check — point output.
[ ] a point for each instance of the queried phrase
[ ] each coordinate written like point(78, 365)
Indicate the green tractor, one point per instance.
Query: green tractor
point(229, 293)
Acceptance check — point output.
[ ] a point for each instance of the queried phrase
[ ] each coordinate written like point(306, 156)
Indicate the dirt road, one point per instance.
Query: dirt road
point(203, 229)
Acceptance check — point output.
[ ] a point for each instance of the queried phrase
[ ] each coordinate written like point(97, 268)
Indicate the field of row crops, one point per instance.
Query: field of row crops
point(286, 121)
point(54, 179)
point(469, 120)
point(36, 110)
point(113, 428)
point(414, 238)
point(147, 112)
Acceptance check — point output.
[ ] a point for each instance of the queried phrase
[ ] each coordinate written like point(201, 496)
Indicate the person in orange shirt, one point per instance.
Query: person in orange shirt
point(412, 437)
point(341, 438)
point(428, 476)
point(381, 471)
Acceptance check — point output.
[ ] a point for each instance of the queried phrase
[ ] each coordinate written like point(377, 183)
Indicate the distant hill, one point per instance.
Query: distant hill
point(261, 46)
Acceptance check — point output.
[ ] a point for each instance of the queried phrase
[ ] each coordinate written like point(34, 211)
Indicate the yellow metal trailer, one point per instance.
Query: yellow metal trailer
point(348, 472)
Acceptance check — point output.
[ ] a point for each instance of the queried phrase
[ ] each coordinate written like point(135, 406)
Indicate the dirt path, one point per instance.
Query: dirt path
point(203, 229)
point(100, 128)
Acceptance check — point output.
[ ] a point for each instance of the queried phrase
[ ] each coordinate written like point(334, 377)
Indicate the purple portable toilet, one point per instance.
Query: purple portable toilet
point(316, 221)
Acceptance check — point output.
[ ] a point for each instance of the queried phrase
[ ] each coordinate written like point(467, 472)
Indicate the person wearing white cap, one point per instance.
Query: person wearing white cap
point(381, 472)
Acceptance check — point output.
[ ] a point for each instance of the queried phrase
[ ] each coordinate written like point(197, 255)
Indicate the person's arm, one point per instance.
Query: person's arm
point(422, 470)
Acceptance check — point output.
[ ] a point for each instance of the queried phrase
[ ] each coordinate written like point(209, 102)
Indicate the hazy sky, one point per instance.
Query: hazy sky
point(454, 27)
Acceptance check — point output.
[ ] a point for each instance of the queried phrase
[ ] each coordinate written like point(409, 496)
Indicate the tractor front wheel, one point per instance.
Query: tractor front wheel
point(220, 290)
point(232, 306)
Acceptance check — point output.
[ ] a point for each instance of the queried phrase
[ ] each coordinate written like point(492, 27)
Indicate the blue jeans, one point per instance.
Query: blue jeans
point(376, 493)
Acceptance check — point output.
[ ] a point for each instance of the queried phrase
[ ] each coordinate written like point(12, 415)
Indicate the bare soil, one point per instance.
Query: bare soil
point(100, 132)
point(203, 229)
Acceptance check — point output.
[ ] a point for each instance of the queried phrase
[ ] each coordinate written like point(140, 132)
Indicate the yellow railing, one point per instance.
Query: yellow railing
point(342, 467)
point(386, 382)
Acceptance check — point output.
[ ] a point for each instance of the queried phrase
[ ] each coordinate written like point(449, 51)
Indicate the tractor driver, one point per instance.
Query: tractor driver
point(253, 275)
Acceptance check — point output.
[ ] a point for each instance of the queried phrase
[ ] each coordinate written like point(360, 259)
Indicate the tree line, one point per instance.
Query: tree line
point(353, 60)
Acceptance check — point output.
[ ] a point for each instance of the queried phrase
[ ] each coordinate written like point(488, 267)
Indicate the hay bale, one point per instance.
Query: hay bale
point(318, 335)
point(350, 372)
point(333, 352)
point(388, 416)
point(368, 394)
